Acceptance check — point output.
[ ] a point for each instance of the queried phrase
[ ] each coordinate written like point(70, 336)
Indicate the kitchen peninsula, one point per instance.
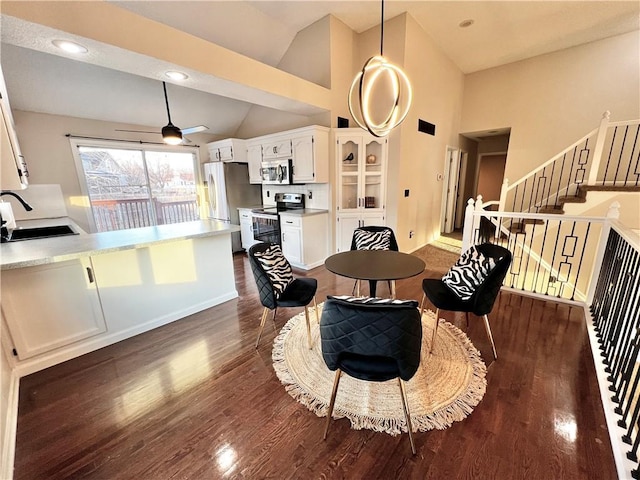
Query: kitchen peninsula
point(66, 296)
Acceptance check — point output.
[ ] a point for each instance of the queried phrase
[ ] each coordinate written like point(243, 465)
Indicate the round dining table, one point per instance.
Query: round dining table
point(374, 265)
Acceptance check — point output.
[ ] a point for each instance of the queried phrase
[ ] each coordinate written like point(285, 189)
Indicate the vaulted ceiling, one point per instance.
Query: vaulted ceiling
point(501, 33)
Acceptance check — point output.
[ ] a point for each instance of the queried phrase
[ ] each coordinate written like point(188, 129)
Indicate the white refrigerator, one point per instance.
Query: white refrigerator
point(228, 188)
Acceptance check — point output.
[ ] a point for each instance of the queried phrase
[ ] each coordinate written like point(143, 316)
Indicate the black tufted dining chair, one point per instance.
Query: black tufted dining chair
point(483, 298)
point(371, 340)
point(298, 293)
point(358, 244)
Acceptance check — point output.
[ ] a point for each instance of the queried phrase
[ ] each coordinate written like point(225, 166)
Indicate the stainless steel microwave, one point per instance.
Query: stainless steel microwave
point(277, 172)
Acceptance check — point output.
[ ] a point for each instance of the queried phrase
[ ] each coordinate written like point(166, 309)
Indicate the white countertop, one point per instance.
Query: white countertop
point(29, 253)
point(303, 212)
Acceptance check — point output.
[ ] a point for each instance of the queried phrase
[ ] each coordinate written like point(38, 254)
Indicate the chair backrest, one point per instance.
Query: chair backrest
point(485, 295)
point(389, 330)
point(266, 289)
point(393, 243)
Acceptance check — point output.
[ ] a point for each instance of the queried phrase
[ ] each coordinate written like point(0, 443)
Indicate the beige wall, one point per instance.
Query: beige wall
point(416, 163)
point(552, 100)
point(309, 55)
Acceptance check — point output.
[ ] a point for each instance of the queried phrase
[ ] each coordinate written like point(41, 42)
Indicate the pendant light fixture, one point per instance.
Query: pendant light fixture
point(170, 133)
point(380, 94)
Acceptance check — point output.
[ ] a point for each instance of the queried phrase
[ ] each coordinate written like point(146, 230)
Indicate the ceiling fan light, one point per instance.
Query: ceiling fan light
point(171, 134)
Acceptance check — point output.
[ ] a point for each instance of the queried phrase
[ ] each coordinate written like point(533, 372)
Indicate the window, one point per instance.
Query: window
point(130, 186)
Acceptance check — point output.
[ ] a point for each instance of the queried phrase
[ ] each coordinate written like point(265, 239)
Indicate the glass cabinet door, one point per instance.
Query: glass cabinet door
point(373, 176)
point(350, 157)
point(362, 172)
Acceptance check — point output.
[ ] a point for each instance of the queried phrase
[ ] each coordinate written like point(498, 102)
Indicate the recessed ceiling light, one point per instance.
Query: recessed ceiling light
point(465, 23)
point(177, 75)
point(70, 47)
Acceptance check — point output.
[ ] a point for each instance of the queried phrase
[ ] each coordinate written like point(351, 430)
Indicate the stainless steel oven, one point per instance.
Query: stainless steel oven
point(266, 227)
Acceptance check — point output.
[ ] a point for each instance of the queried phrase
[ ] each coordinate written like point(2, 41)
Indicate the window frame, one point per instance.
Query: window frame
point(77, 142)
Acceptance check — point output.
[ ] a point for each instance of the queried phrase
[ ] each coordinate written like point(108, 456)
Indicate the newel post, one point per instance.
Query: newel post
point(599, 147)
point(612, 214)
point(467, 230)
point(503, 195)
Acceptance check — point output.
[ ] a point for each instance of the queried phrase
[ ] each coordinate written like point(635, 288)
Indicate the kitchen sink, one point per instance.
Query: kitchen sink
point(41, 232)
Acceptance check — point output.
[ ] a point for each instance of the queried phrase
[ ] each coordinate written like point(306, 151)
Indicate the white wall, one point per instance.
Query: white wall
point(552, 100)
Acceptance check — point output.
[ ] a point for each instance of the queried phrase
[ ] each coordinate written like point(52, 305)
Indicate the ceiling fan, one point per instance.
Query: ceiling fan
point(171, 134)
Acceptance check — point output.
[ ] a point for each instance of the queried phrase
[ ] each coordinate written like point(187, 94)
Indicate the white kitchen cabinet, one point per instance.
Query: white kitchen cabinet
point(14, 172)
point(310, 154)
point(51, 306)
point(305, 239)
point(246, 228)
point(276, 147)
point(361, 182)
point(228, 150)
point(254, 159)
point(291, 235)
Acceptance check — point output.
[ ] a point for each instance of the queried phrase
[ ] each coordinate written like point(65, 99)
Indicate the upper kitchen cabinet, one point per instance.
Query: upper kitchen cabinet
point(276, 146)
point(310, 154)
point(228, 150)
point(254, 159)
point(14, 168)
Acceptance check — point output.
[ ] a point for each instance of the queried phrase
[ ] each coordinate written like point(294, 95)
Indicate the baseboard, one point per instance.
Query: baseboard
point(63, 354)
point(11, 426)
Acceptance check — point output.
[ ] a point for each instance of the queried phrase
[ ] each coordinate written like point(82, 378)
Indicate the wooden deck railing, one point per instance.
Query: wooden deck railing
point(141, 212)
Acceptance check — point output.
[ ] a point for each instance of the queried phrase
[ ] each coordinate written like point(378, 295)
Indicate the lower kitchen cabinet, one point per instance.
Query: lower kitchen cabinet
point(346, 223)
point(50, 306)
point(58, 311)
point(305, 239)
point(246, 228)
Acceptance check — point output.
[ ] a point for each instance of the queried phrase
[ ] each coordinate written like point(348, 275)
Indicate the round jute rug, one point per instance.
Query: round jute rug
point(445, 389)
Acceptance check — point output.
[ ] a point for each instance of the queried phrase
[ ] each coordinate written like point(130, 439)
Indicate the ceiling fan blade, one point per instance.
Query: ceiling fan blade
point(135, 131)
point(196, 129)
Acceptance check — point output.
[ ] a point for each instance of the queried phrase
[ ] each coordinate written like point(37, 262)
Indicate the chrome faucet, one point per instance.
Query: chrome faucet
point(4, 232)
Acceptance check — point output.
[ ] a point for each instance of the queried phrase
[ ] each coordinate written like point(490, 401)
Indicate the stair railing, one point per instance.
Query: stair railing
point(608, 155)
point(594, 263)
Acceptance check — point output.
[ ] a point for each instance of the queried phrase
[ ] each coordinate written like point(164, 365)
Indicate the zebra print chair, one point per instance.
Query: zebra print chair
point(276, 285)
point(374, 238)
point(472, 285)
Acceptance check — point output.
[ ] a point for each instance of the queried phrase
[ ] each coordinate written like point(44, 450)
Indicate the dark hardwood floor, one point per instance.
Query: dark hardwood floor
point(195, 400)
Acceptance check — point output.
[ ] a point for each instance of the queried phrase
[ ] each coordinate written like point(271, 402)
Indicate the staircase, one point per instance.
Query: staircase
point(606, 159)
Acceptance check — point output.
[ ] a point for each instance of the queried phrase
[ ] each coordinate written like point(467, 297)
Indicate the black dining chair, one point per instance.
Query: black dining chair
point(374, 237)
point(373, 340)
point(482, 296)
point(276, 285)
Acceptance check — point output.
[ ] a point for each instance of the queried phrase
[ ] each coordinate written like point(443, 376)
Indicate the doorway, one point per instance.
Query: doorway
point(490, 176)
point(450, 190)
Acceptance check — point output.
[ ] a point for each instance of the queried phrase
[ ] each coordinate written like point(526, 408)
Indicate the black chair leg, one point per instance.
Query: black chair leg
point(332, 402)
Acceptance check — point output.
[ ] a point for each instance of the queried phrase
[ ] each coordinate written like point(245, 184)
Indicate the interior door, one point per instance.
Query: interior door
point(452, 170)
